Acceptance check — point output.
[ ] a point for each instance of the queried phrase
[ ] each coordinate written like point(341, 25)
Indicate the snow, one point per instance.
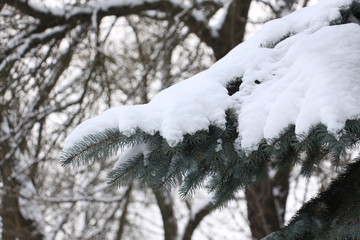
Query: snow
point(306, 85)
point(310, 77)
point(40, 7)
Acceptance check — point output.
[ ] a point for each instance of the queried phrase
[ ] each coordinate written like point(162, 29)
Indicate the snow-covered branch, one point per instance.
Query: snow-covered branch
point(26, 44)
point(196, 16)
point(104, 8)
point(74, 199)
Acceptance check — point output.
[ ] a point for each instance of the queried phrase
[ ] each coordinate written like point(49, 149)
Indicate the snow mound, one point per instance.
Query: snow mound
point(296, 70)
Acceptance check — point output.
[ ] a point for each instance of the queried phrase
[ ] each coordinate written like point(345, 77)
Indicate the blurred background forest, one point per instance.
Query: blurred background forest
point(65, 61)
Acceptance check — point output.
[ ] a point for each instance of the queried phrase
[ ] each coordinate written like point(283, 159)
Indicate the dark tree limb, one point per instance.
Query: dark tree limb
point(195, 220)
point(29, 10)
point(86, 12)
point(262, 212)
point(266, 201)
point(233, 29)
point(164, 201)
point(123, 219)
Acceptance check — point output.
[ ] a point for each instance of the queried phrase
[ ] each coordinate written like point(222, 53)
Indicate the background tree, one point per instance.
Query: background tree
point(57, 61)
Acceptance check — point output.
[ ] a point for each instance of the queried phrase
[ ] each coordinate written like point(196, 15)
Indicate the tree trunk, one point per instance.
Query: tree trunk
point(123, 219)
point(15, 225)
point(233, 30)
point(266, 203)
point(165, 204)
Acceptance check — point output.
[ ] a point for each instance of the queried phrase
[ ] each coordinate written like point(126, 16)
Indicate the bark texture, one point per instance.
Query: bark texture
point(15, 224)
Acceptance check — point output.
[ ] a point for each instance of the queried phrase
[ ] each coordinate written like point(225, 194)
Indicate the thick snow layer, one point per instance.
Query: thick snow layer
point(310, 77)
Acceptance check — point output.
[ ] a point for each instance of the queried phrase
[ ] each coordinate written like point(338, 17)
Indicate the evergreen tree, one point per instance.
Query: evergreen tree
point(216, 153)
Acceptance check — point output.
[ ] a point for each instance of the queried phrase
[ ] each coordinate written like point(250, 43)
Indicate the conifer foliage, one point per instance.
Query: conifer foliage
point(213, 158)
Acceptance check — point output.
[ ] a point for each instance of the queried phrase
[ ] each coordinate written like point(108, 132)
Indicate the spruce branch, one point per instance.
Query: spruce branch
point(127, 171)
point(100, 145)
point(210, 158)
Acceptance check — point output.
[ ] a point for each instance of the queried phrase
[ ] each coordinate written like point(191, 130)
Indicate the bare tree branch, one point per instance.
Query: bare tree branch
point(195, 220)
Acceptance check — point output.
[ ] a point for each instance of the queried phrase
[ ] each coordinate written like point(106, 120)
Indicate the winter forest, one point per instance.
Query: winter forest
point(179, 119)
